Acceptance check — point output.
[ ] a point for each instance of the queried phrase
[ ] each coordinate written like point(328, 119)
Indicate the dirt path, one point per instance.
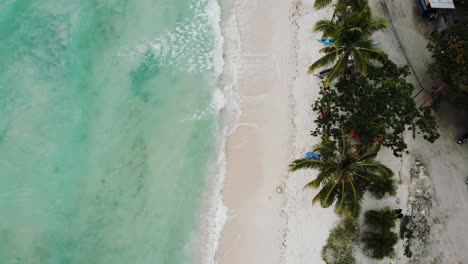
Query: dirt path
point(447, 162)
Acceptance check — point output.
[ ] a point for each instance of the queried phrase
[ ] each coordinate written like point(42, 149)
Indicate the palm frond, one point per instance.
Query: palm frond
point(327, 194)
point(326, 148)
point(361, 61)
point(328, 49)
point(376, 168)
point(338, 68)
point(321, 3)
point(342, 195)
point(325, 26)
point(377, 24)
point(373, 54)
point(350, 197)
point(325, 60)
point(306, 163)
point(369, 155)
point(361, 175)
point(359, 5)
point(356, 201)
point(324, 174)
point(346, 143)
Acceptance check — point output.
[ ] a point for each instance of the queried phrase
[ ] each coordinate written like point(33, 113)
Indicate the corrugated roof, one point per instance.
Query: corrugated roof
point(448, 4)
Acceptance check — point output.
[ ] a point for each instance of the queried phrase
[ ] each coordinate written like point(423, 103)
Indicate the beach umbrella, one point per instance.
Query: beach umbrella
point(312, 155)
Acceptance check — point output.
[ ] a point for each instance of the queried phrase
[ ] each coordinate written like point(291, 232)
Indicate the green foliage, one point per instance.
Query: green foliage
point(379, 241)
point(322, 3)
point(351, 30)
point(355, 4)
point(380, 245)
point(380, 188)
point(380, 220)
point(450, 53)
point(341, 242)
point(406, 233)
point(345, 174)
point(377, 108)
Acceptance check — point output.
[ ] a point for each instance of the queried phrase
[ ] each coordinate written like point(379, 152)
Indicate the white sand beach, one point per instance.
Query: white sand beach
point(257, 150)
point(271, 218)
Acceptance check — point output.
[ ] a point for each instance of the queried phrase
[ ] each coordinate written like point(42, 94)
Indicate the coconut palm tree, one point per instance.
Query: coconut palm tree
point(344, 174)
point(351, 30)
point(323, 3)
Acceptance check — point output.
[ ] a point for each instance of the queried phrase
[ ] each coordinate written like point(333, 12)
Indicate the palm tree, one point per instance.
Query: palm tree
point(323, 3)
point(344, 174)
point(351, 31)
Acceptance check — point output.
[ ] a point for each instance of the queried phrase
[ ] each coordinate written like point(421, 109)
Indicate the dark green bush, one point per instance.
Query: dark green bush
point(406, 233)
point(379, 241)
point(380, 188)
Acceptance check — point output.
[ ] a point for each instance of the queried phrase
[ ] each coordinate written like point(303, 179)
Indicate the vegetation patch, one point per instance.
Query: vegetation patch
point(375, 109)
point(341, 242)
point(407, 234)
point(379, 240)
point(345, 174)
point(450, 53)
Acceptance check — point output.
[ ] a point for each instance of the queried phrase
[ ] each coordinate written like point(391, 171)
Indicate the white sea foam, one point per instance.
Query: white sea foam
point(193, 45)
point(228, 97)
point(182, 48)
point(217, 104)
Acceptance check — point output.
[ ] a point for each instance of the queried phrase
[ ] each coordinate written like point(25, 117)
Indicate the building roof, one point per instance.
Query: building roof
point(448, 4)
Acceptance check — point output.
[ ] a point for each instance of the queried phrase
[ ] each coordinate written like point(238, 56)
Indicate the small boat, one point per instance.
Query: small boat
point(323, 73)
point(328, 42)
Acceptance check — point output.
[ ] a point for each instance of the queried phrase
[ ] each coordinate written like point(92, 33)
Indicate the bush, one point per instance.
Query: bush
point(341, 242)
point(379, 241)
point(380, 188)
point(450, 53)
point(406, 233)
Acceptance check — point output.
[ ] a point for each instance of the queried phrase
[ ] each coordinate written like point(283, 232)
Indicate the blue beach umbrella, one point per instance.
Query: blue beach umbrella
point(312, 155)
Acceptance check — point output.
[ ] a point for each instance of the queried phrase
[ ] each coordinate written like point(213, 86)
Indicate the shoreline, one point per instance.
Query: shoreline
point(255, 166)
point(267, 227)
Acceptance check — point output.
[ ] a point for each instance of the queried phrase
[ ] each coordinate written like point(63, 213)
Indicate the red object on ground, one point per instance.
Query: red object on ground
point(353, 134)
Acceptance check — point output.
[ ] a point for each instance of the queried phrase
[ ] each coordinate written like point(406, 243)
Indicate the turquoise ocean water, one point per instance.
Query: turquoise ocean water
point(108, 126)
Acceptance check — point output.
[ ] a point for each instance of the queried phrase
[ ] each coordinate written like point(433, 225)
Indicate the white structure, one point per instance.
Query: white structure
point(446, 4)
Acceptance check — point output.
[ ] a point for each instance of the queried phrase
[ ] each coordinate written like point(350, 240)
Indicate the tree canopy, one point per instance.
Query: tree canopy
point(450, 53)
point(376, 109)
point(345, 174)
point(351, 30)
point(353, 3)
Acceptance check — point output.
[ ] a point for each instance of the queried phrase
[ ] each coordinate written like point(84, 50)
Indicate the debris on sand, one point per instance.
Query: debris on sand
point(415, 228)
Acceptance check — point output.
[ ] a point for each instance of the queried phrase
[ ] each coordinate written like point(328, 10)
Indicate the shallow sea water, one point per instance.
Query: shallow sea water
point(108, 126)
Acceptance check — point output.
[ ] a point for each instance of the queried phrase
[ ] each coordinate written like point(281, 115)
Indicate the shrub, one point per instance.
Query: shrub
point(341, 242)
point(379, 241)
point(406, 233)
point(450, 53)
